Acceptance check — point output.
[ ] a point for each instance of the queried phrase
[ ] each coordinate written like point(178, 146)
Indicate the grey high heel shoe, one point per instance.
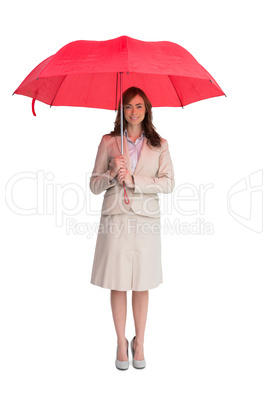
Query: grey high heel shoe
point(122, 365)
point(138, 364)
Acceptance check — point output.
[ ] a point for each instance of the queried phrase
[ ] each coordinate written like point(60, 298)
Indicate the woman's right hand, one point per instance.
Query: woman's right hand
point(117, 163)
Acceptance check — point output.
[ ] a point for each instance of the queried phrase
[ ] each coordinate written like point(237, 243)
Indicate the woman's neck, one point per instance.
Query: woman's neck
point(134, 131)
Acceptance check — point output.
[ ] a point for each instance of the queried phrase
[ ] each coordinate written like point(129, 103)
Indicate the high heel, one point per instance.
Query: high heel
point(138, 364)
point(122, 365)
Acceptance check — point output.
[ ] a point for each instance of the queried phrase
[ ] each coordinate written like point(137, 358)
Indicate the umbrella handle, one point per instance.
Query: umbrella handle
point(125, 194)
point(33, 102)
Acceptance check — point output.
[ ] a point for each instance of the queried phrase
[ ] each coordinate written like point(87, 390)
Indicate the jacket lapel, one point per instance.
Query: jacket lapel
point(144, 156)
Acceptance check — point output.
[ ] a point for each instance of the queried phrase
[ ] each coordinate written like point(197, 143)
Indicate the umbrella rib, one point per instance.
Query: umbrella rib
point(175, 91)
point(58, 90)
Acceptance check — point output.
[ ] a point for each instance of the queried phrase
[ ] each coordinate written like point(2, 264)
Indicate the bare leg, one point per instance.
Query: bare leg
point(140, 308)
point(119, 310)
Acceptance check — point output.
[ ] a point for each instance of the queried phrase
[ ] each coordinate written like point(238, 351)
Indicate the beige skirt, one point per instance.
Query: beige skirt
point(128, 252)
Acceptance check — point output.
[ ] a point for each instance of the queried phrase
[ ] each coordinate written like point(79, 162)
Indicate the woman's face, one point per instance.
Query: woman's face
point(135, 110)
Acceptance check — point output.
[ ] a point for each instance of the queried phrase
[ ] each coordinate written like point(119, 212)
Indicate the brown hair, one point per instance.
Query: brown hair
point(149, 130)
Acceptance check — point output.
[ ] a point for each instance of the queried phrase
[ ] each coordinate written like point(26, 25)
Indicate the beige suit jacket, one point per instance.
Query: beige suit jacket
point(153, 174)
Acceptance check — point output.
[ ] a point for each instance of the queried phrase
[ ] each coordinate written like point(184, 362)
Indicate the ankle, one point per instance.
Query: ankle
point(138, 342)
point(122, 341)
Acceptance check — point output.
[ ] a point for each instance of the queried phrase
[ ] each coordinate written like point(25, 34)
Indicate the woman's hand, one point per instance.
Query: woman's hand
point(117, 163)
point(125, 176)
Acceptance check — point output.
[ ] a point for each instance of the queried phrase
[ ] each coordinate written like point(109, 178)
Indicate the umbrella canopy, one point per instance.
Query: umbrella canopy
point(87, 74)
point(95, 73)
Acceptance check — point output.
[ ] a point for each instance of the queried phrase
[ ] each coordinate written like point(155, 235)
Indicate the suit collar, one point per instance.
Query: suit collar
point(126, 134)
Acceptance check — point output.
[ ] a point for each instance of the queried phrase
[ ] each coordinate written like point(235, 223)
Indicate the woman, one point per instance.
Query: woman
point(128, 247)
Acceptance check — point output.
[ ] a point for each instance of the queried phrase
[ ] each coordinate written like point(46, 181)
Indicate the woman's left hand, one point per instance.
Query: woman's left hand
point(124, 175)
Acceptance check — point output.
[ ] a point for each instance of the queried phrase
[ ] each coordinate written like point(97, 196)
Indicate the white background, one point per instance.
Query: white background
point(206, 336)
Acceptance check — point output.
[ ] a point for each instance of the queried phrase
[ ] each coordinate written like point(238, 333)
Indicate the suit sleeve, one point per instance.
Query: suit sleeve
point(100, 177)
point(164, 182)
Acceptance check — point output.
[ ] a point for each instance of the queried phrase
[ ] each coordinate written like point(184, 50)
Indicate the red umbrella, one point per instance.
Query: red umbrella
point(95, 73)
point(87, 73)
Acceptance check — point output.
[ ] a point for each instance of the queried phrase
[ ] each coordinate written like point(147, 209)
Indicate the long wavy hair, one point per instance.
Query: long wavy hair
point(147, 124)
